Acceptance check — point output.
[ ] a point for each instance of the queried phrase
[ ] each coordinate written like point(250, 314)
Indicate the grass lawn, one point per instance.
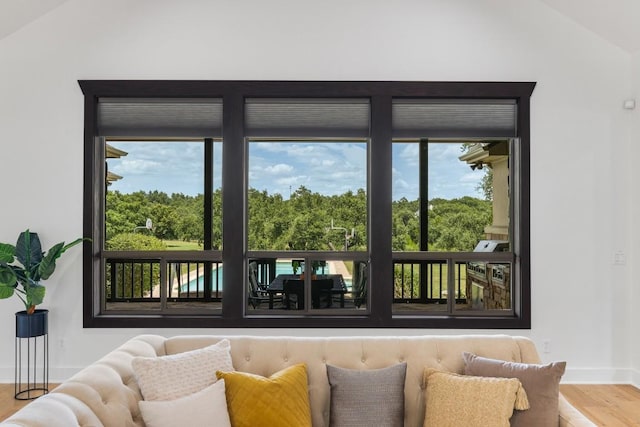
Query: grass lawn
point(436, 277)
point(179, 245)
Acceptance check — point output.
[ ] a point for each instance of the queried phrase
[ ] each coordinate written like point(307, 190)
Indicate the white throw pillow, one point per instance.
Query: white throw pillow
point(207, 407)
point(178, 375)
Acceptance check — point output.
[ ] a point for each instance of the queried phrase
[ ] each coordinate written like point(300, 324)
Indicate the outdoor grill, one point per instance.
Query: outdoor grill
point(492, 246)
point(487, 284)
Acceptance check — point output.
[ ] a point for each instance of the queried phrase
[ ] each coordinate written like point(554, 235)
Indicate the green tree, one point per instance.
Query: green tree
point(458, 224)
point(133, 280)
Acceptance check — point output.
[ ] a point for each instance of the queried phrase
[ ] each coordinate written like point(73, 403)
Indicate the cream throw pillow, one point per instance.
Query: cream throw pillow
point(178, 375)
point(207, 407)
point(454, 400)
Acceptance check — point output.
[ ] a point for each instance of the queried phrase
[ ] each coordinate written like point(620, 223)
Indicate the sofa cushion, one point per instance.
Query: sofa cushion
point(178, 375)
point(282, 400)
point(454, 400)
point(367, 397)
point(205, 407)
point(541, 382)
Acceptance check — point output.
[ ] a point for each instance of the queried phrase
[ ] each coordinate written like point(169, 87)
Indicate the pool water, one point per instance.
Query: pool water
point(195, 285)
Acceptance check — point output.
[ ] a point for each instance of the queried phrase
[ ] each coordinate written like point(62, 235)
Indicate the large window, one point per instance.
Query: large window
point(155, 199)
point(306, 204)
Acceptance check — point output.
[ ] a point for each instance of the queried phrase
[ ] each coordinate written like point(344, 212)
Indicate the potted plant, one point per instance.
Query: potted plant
point(24, 265)
point(296, 265)
point(316, 265)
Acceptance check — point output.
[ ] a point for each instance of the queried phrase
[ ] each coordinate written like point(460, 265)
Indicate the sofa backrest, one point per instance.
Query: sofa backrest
point(106, 392)
point(267, 355)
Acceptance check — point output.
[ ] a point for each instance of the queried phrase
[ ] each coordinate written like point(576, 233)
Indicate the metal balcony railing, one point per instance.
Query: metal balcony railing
point(425, 282)
point(135, 280)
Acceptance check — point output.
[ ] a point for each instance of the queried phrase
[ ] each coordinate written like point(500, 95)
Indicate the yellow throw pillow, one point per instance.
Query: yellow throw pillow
point(282, 400)
point(454, 400)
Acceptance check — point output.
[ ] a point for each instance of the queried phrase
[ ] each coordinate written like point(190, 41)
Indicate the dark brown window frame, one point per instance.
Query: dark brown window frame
point(234, 94)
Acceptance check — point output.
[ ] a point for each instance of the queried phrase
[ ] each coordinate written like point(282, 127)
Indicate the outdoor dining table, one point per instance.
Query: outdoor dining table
point(277, 286)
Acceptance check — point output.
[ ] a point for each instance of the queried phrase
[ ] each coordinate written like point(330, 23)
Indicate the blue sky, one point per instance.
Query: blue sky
point(282, 167)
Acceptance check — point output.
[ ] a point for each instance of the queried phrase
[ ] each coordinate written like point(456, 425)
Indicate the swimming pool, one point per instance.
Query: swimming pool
point(197, 285)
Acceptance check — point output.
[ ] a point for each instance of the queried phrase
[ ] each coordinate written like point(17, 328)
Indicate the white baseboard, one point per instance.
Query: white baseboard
point(600, 376)
point(635, 378)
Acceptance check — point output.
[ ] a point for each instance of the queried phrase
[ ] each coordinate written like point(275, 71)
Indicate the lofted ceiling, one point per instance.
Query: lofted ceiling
point(617, 21)
point(15, 14)
point(614, 20)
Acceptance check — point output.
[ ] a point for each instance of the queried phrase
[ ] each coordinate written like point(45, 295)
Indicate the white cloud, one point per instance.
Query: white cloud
point(324, 167)
point(278, 169)
point(401, 184)
point(291, 180)
point(136, 167)
point(410, 153)
point(473, 177)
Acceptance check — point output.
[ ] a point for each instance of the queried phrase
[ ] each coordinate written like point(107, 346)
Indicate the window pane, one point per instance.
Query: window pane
point(447, 196)
point(307, 196)
point(136, 284)
point(283, 283)
point(216, 221)
point(487, 286)
point(195, 285)
point(154, 195)
point(420, 286)
point(132, 284)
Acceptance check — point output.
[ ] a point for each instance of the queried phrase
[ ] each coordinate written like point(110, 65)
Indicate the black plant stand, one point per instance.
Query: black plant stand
point(32, 354)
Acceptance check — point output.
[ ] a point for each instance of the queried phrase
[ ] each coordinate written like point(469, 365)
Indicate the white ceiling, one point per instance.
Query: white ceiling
point(617, 21)
point(15, 14)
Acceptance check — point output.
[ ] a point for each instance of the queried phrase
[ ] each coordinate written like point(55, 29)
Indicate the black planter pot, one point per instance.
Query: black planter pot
point(32, 325)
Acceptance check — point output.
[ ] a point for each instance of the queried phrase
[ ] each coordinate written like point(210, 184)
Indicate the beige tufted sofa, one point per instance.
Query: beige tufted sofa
point(106, 393)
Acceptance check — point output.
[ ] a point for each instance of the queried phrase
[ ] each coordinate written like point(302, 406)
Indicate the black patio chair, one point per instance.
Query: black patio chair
point(359, 286)
point(257, 292)
point(321, 292)
point(293, 290)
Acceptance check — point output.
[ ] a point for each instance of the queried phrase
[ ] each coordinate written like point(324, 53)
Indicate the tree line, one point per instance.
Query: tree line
point(302, 222)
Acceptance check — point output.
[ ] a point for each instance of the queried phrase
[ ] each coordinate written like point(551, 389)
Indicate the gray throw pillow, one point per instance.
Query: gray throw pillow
point(541, 382)
point(367, 398)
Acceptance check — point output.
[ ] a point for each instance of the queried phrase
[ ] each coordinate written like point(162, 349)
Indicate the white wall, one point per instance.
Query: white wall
point(634, 212)
point(580, 135)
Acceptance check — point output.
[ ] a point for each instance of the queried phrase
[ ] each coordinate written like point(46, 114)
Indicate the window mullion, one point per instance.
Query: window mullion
point(233, 205)
point(164, 284)
point(380, 215)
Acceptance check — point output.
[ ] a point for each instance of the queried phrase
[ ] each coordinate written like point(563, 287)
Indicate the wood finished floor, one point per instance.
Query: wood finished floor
point(606, 405)
point(9, 405)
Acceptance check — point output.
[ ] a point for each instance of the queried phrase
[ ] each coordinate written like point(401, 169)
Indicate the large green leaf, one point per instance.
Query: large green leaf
point(20, 273)
point(8, 282)
point(6, 291)
point(48, 264)
point(8, 279)
point(35, 294)
point(7, 252)
point(75, 242)
point(28, 249)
